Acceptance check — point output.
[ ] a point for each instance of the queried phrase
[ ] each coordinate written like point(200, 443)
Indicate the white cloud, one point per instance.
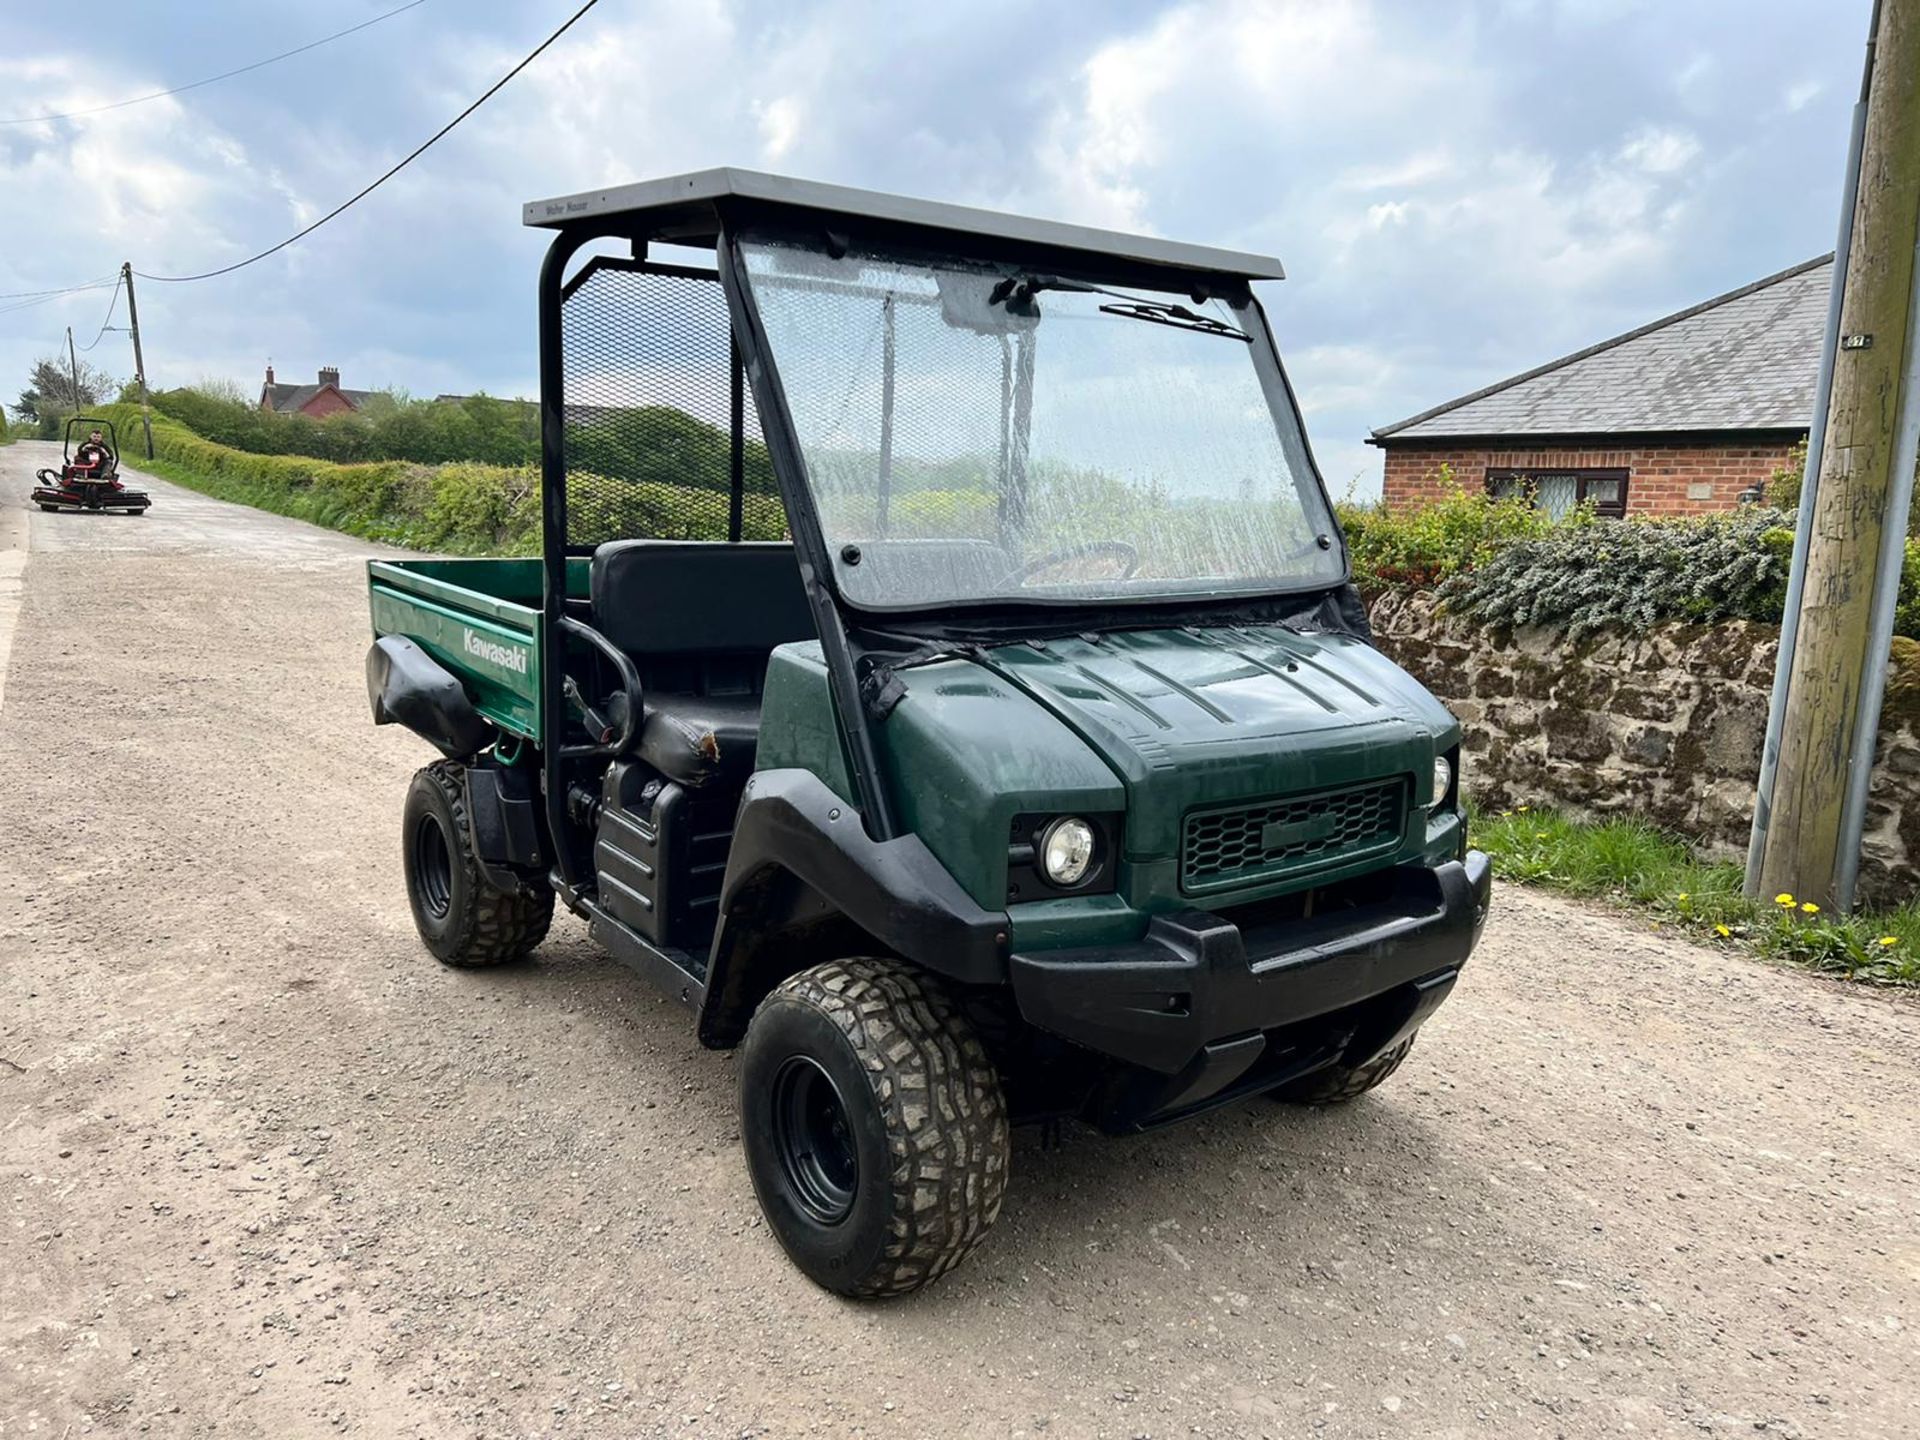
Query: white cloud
point(1660, 152)
point(780, 120)
point(1801, 94)
point(1423, 167)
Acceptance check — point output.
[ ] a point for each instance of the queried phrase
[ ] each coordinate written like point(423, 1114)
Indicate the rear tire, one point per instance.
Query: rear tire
point(1338, 1084)
point(461, 917)
point(874, 1127)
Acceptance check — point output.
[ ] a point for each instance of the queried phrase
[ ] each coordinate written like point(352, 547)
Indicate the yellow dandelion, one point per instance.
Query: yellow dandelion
point(1889, 939)
point(1525, 808)
point(1683, 896)
point(1722, 931)
point(1811, 908)
point(1783, 899)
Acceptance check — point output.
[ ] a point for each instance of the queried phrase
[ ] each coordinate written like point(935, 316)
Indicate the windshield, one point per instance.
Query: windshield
point(976, 434)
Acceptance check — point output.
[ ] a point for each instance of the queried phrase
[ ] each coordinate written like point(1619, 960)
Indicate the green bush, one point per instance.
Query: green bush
point(1783, 486)
point(427, 432)
point(1906, 610)
point(1633, 573)
point(1416, 549)
point(460, 508)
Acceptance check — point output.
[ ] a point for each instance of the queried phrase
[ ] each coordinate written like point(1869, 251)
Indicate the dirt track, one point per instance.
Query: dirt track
point(270, 1171)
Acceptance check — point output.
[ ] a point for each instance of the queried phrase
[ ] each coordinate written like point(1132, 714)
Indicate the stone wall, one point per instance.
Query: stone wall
point(1664, 726)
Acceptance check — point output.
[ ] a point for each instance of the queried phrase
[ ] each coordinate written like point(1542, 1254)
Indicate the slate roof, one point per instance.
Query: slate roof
point(288, 398)
point(1745, 360)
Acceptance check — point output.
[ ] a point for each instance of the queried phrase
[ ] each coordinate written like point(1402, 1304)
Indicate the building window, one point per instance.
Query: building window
point(1558, 491)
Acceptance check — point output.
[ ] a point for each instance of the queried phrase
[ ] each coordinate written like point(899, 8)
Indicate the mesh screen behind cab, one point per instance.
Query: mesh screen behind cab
point(647, 400)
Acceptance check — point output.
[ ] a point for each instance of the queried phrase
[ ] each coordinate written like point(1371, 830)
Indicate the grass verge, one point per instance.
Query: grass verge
point(1635, 864)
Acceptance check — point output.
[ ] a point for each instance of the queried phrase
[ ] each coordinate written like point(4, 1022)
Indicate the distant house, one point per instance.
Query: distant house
point(319, 400)
point(1687, 414)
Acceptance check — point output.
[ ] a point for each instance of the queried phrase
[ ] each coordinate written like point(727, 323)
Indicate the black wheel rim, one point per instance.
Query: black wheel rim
point(813, 1135)
point(432, 867)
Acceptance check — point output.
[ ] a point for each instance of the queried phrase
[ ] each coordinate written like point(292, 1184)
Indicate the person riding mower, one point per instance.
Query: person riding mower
point(89, 473)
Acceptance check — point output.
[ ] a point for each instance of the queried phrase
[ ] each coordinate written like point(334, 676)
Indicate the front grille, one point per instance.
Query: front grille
point(1296, 836)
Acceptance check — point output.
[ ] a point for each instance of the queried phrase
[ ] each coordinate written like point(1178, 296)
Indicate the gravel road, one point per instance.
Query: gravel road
point(270, 1171)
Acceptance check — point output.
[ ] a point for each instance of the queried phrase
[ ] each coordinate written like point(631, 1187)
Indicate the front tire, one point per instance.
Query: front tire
point(462, 919)
point(874, 1127)
point(1338, 1084)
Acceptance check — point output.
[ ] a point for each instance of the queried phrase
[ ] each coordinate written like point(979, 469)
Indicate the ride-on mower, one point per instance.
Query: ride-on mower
point(89, 473)
point(941, 675)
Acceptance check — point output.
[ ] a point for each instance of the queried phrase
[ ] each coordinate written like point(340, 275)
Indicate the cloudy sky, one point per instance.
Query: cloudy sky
point(1459, 190)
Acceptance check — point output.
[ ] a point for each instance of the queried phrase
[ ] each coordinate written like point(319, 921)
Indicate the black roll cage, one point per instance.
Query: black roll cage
point(83, 423)
point(853, 641)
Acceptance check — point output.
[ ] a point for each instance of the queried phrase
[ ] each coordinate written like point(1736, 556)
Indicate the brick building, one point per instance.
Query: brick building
point(317, 401)
point(1687, 414)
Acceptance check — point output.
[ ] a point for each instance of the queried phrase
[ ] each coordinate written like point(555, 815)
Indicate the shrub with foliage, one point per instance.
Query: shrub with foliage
point(1415, 549)
point(1783, 485)
point(457, 508)
point(429, 432)
point(1634, 573)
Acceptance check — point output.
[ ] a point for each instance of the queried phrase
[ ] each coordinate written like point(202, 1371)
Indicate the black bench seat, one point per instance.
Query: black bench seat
point(699, 620)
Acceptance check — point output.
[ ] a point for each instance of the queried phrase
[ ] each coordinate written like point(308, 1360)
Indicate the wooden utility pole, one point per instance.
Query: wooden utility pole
point(1800, 848)
point(73, 373)
point(139, 365)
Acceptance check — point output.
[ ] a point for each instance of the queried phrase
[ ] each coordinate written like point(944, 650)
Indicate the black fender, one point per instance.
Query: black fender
point(804, 881)
point(407, 686)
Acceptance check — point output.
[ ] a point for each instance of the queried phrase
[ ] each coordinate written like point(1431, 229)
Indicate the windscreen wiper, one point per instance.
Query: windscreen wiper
point(1016, 292)
point(1160, 312)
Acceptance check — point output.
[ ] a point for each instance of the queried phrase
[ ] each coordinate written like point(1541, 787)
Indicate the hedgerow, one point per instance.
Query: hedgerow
point(1417, 549)
point(462, 509)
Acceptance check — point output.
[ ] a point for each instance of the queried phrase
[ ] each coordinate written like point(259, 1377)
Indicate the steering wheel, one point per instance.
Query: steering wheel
point(1126, 553)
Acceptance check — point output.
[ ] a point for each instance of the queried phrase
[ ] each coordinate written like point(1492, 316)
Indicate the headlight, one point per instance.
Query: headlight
point(1066, 851)
point(1442, 780)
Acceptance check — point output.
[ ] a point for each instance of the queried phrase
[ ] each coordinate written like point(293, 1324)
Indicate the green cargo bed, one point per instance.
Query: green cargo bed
point(480, 619)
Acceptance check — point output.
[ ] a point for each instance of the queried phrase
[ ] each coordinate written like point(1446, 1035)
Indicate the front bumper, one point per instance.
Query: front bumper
point(1202, 1010)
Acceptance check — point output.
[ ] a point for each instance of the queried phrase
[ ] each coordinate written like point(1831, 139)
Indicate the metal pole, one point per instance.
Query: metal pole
point(139, 365)
point(1886, 599)
point(1809, 482)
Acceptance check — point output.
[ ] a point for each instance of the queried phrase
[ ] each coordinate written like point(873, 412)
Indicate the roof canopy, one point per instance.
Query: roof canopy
point(1746, 360)
point(686, 209)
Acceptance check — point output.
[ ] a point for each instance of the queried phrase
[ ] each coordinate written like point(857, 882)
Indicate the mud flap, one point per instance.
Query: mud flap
point(407, 686)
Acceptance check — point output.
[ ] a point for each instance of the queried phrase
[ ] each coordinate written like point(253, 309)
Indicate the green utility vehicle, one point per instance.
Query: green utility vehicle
point(941, 674)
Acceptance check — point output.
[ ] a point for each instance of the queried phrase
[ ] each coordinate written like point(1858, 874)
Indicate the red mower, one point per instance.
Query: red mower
point(89, 473)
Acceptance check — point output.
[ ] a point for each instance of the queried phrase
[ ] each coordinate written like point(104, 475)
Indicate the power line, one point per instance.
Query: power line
point(113, 302)
point(100, 284)
point(10, 307)
point(415, 154)
point(223, 75)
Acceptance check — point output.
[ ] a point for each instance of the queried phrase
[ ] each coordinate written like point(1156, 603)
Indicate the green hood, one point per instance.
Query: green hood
point(1150, 723)
point(1191, 718)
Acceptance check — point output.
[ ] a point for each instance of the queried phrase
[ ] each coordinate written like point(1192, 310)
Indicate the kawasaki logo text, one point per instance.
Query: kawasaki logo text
point(507, 657)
